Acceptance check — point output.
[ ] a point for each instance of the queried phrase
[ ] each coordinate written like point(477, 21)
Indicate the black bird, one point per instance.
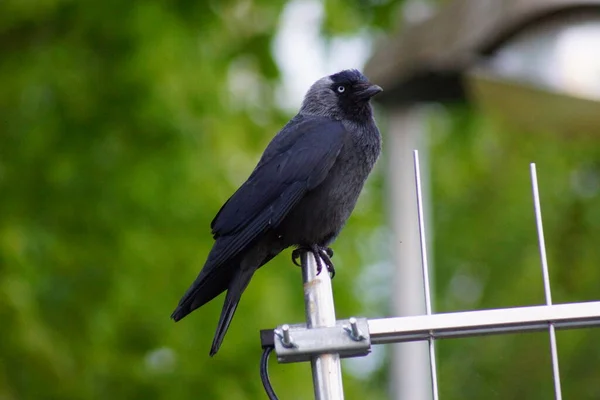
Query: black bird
point(300, 194)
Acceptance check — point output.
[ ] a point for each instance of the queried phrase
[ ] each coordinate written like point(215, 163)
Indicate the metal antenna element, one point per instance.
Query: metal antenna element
point(546, 276)
point(320, 312)
point(425, 266)
point(323, 340)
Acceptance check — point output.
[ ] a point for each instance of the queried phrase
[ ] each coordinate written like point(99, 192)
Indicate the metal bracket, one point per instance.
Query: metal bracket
point(296, 343)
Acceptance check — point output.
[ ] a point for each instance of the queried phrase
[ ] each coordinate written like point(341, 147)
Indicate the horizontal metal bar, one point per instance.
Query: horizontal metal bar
point(484, 322)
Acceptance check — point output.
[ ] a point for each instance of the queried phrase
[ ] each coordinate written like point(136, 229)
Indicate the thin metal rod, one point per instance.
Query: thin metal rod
point(425, 267)
point(484, 322)
point(320, 312)
point(546, 277)
point(424, 263)
point(540, 230)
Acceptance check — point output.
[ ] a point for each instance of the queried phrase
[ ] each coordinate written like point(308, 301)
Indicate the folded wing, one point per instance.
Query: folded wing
point(295, 162)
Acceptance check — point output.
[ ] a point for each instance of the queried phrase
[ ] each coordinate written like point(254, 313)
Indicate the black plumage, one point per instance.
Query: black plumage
point(300, 194)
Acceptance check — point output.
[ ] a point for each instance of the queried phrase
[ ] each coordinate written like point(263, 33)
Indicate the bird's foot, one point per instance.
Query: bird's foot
point(298, 252)
point(321, 254)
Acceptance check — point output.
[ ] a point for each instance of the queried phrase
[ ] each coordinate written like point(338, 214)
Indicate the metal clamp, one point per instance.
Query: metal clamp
point(349, 338)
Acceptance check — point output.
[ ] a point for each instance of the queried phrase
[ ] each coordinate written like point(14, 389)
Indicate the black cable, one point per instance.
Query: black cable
point(264, 373)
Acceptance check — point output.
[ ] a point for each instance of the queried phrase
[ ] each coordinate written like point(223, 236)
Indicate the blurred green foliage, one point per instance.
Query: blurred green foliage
point(119, 140)
point(120, 137)
point(486, 250)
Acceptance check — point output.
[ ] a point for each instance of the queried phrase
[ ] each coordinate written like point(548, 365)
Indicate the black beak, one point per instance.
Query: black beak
point(368, 90)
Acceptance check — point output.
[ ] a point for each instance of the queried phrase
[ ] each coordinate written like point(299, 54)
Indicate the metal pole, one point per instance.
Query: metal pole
point(410, 370)
point(294, 343)
point(320, 312)
point(425, 265)
point(484, 322)
point(546, 277)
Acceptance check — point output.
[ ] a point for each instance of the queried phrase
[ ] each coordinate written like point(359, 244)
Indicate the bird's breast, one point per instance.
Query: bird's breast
point(321, 214)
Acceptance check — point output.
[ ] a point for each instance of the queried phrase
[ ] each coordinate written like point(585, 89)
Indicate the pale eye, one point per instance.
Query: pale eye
point(341, 89)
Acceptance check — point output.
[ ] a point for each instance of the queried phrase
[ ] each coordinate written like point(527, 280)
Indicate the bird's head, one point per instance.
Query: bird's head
point(344, 95)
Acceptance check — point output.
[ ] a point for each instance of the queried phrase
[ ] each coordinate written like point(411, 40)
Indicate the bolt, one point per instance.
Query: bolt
point(286, 339)
point(353, 331)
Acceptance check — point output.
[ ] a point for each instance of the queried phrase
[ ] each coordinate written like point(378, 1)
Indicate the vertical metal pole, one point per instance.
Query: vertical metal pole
point(546, 276)
point(425, 265)
point(409, 376)
point(320, 312)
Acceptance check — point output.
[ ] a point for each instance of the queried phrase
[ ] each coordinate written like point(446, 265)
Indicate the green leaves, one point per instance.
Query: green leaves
point(124, 126)
point(121, 136)
point(486, 253)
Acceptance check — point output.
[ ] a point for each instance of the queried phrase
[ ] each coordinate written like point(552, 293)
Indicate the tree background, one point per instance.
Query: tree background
point(121, 135)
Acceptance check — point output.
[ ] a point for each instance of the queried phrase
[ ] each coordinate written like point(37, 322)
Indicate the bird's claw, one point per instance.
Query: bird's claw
point(329, 251)
point(296, 256)
point(321, 254)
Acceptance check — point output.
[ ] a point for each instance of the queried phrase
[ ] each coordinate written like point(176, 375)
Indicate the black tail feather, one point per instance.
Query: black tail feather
point(205, 288)
point(234, 294)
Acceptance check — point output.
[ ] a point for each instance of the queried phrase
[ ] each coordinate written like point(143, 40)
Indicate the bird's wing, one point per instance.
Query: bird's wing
point(296, 161)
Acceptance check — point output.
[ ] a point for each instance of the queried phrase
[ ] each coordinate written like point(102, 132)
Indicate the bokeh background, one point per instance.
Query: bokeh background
point(125, 125)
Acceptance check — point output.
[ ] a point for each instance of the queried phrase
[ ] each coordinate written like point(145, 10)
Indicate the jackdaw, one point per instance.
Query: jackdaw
point(300, 194)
